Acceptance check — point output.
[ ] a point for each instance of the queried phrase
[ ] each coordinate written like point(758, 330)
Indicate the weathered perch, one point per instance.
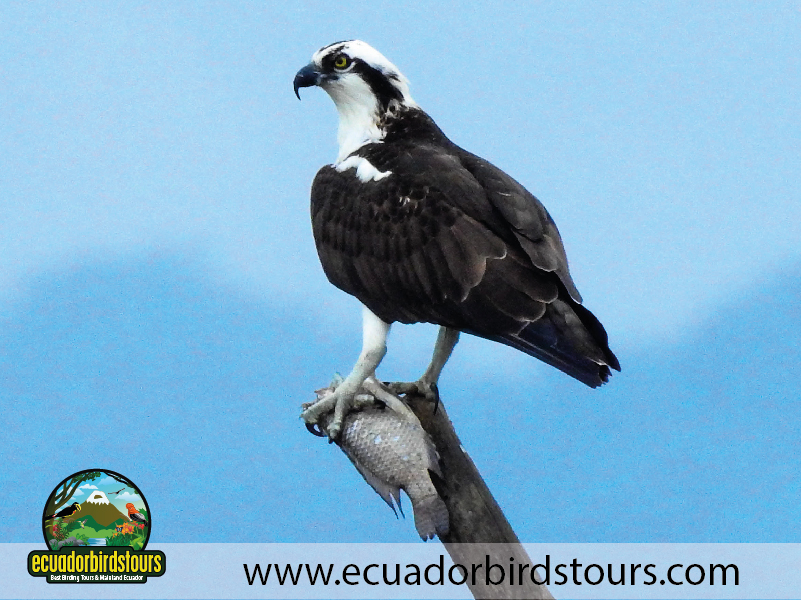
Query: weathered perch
point(478, 526)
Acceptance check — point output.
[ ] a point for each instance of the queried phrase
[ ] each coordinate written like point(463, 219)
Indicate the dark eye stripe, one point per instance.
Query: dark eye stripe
point(380, 84)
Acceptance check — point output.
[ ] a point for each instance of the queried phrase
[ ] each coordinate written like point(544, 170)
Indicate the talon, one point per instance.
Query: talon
point(329, 411)
point(434, 390)
point(314, 429)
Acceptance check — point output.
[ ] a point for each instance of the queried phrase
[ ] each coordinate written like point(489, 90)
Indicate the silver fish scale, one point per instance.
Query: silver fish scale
point(390, 447)
point(393, 452)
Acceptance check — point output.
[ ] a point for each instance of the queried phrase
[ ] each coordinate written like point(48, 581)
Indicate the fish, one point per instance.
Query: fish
point(384, 440)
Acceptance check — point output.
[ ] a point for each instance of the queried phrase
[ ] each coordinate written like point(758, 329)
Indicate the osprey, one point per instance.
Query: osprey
point(420, 230)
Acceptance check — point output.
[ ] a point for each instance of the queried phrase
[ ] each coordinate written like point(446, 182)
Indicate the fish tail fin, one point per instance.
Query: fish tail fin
point(431, 517)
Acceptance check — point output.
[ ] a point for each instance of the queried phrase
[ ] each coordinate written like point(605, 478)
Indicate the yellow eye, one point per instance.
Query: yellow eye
point(341, 61)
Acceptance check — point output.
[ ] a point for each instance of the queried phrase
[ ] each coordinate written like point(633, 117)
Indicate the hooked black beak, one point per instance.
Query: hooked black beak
point(306, 77)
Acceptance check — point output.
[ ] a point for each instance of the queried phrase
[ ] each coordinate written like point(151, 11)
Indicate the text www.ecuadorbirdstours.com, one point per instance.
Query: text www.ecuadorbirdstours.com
point(491, 573)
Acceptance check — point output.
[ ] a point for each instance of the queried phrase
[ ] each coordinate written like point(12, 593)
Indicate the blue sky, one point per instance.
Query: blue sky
point(163, 313)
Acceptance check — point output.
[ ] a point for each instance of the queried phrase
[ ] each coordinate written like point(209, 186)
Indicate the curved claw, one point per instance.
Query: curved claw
point(339, 401)
point(314, 429)
point(434, 388)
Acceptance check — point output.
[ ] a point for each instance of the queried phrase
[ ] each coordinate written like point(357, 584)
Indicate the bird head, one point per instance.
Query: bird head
point(364, 85)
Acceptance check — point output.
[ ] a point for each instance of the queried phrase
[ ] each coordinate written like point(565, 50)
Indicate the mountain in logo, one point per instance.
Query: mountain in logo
point(98, 497)
point(98, 507)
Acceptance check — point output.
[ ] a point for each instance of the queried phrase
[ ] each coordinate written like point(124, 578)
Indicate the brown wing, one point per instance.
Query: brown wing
point(533, 227)
point(400, 244)
point(431, 243)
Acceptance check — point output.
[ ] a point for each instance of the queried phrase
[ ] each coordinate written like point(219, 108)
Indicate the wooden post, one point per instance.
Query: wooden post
point(478, 527)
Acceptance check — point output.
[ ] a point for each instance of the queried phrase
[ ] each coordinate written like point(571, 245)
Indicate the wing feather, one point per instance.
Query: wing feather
point(422, 274)
point(531, 224)
point(450, 239)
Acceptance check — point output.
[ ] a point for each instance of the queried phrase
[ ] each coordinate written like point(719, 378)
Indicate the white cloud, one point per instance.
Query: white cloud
point(127, 496)
point(107, 481)
point(77, 492)
point(88, 486)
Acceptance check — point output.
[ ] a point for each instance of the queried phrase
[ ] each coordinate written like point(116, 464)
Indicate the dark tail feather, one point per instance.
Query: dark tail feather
point(431, 517)
point(597, 331)
point(550, 343)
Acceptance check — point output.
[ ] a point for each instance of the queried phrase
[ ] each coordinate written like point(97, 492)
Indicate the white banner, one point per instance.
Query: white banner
point(602, 571)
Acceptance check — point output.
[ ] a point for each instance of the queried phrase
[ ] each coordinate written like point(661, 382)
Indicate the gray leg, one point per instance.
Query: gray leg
point(446, 341)
point(374, 347)
point(427, 384)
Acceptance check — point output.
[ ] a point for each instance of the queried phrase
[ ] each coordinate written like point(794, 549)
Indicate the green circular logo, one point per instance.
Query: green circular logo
point(96, 507)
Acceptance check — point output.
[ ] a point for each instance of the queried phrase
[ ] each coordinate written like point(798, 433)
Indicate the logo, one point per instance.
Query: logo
point(96, 524)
